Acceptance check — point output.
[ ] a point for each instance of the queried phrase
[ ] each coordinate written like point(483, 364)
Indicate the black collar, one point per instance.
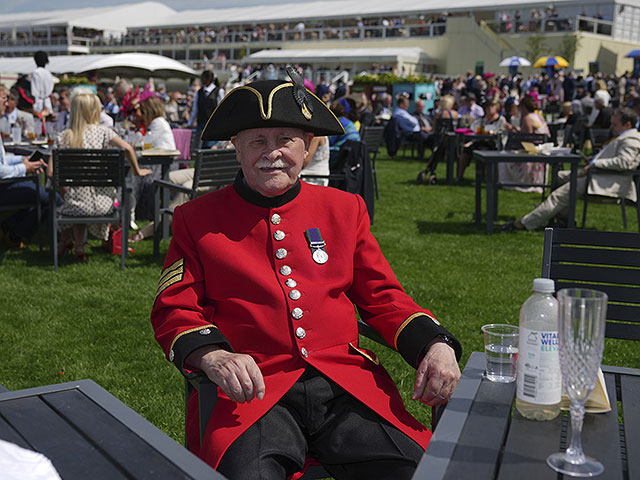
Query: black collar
point(255, 198)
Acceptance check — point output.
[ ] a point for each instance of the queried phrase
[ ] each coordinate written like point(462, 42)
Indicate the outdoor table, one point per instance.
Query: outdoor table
point(27, 148)
point(491, 158)
point(453, 143)
point(88, 433)
point(163, 157)
point(481, 437)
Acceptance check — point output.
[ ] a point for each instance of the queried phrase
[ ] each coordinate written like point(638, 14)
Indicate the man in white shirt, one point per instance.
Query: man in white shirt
point(409, 126)
point(41, 83)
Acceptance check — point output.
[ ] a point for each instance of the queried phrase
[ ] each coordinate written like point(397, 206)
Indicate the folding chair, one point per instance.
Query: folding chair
point(212, 169)
point(76, 167)
point(635, 176)
point(373, 138)
point(606, 261)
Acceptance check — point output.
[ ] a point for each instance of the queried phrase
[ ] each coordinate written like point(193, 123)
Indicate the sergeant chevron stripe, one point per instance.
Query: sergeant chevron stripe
point(172, 274)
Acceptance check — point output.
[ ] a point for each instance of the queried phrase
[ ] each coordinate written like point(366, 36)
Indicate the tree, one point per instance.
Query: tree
point(536, 46)
point(569, 46)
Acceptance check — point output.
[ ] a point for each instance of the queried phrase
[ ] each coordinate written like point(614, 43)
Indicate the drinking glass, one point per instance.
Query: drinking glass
point(581, 325)
point(504, 137)
point(560, 137)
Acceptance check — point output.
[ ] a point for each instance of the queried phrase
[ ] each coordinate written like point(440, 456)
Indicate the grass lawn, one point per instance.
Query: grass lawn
point(92, 320)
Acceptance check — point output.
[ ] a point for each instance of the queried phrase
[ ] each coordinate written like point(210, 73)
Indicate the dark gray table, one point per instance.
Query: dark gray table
point(491, 158)
point(87, 433)
point(453, 147)
point(481, 437)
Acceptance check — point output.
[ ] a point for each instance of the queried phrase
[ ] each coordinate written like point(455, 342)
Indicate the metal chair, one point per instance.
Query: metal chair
point(213, 169)
point(635, 175)
point(373, 138)
point(37, 179)
point(76, 167)
point(606, 261)
point(599, 137)
point(515, 139)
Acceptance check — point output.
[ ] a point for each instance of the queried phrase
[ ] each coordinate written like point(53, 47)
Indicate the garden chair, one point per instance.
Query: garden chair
point(635, 176)
point(373, 138)
point(212, 169)
point(75, 167)
point(37, 179)
point(606, 261)
point(208, 395)
point(599, 137)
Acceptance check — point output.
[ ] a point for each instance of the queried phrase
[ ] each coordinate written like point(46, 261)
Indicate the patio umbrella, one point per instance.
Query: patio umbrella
point(633, 53)
point(515, 61)
point(552, 62)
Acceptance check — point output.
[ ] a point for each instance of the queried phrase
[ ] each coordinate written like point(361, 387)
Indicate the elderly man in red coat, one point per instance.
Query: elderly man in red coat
point(258, 292)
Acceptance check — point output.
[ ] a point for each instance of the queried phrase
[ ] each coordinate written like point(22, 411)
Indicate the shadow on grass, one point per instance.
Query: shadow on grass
point(458, 227)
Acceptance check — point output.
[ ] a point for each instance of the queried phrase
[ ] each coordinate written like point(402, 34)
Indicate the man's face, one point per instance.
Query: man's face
point(419, 106)
point(10, 104)
point(617, 127)
point(65, 105)
point(3, 100)
point(271, 158)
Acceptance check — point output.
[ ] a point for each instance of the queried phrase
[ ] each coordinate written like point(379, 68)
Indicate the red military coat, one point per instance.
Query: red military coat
point(240, 271)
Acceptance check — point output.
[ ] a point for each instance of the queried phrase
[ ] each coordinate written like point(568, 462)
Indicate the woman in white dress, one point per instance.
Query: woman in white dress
point(84, 132)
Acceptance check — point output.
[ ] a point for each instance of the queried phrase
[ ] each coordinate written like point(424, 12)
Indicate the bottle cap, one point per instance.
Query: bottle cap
point(544, 285)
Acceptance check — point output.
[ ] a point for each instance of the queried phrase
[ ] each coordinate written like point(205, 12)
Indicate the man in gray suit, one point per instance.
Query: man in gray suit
point(622, 154)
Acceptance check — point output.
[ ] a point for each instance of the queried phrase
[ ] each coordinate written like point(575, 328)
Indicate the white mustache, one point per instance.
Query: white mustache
point(267, 164)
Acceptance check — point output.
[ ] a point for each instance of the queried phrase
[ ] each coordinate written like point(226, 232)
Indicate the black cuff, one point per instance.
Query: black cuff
point(191, 341)
point(416, 336)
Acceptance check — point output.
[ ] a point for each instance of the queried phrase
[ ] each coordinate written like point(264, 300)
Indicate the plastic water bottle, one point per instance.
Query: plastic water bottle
point(539, 385)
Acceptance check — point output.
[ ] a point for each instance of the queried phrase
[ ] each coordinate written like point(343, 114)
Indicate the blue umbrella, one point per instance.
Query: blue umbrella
point(515, 61)
point(633, 53)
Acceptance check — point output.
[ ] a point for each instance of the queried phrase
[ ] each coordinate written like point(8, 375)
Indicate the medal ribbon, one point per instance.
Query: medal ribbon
point(315, 239)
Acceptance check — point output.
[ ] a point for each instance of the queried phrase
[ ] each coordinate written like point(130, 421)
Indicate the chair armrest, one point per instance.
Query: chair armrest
point(171, 185)
point(207, 397)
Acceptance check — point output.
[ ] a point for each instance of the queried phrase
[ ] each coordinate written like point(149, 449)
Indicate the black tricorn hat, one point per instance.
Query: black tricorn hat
point(271, 103)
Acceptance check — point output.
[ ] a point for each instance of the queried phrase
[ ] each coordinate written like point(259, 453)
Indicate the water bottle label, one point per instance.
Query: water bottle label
point(538, 379)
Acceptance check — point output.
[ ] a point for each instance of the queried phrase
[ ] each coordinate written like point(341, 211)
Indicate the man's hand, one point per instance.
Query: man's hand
point(236, 374)
point(33, 166)
point(437, 375)
point(584, 170)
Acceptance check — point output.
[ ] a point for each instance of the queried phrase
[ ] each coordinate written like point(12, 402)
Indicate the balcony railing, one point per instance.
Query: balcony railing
point(553, 24)
point(225, 36)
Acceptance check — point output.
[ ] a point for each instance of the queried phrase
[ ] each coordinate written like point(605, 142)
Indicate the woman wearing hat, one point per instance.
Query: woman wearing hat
point(257, 292)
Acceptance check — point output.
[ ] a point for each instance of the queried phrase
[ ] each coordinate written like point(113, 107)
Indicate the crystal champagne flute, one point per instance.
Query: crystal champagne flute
point(581, 325)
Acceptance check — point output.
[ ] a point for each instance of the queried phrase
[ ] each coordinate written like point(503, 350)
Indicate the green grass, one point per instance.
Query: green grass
point(92, 321)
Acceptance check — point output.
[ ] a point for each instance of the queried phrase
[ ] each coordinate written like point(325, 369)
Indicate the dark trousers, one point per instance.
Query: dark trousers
point(319, 418)
point(423, 140)
point(23, 223)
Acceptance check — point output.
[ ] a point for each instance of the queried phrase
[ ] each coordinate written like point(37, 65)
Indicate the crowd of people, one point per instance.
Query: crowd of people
point(489, 103)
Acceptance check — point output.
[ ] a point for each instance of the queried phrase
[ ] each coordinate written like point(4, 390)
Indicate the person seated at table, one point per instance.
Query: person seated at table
point(19, 227)
point(409, 127)
point(150, 110)
point(621, 154)
point(441, 119)
point(340, 108)
point(531, 122)
point(279, 335)
point(423, 119)
point(492, 123)
point(600, 116)
point(470, 108)
point(16, 117)
point(85, 132)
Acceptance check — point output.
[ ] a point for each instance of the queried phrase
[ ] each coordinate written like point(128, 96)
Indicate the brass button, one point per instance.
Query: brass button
point(205, 331)
point(301, 333)
point(304, 352)
point(297, 313)
point(291, 283)
point(281, 253)
point(278, 235)
point(275, 219)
